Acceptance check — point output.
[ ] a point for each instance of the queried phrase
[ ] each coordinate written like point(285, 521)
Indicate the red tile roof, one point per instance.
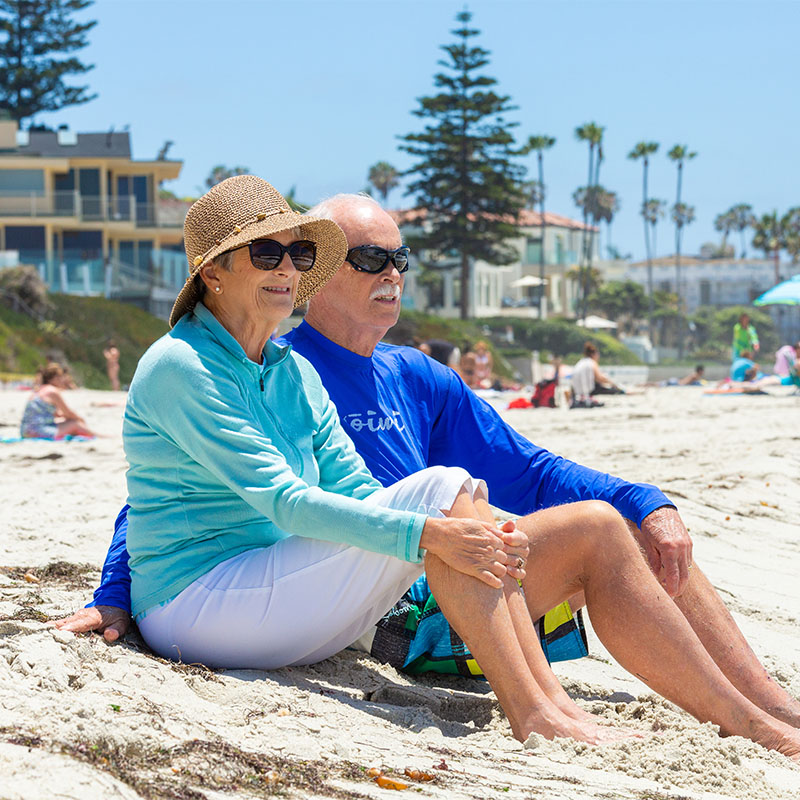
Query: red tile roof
point(527, 218)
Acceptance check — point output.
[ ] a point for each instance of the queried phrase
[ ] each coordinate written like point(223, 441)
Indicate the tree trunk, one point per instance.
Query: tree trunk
point(465, 287)
point(540, 293)
point(649, 253)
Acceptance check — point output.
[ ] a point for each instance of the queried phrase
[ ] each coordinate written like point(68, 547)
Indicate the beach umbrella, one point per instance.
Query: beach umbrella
point(786, 293)
point(594, 322)
point(527, 280)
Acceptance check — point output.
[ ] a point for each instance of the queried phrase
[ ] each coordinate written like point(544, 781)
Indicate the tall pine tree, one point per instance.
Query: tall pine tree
point(466, 175)
point(37, 40)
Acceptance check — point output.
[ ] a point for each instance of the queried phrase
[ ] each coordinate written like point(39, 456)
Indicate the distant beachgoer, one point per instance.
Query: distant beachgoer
point(587, 380)
point(468, 368)
point(744, 368)
point(111, 355)
point(696, 378)
point(786, 358)
point(47, 416)
point(444, 352)
point(744, 337)
point(483, 365)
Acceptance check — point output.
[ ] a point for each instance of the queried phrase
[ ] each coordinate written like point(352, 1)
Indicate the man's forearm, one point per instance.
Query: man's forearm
point(115, 581)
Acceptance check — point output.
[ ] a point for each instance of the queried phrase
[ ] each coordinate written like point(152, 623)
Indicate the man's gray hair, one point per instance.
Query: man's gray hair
point(326, 209)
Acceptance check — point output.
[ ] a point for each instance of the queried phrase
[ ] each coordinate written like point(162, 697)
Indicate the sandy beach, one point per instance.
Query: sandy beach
point(83, 719)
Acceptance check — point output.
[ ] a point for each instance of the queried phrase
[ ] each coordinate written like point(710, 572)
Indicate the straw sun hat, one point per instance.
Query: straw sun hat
point(239, 210)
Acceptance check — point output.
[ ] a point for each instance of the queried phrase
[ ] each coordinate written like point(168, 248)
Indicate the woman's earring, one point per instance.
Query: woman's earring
point(217, 289)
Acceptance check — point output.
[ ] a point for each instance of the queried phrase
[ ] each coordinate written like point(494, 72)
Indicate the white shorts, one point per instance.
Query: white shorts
point(300, 600)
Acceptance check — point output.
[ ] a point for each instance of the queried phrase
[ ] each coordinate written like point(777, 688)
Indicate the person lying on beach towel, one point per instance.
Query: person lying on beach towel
point(46, 414)
point(406, 412)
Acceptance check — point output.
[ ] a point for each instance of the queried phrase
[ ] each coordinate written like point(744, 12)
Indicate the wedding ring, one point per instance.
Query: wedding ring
point(520, 563)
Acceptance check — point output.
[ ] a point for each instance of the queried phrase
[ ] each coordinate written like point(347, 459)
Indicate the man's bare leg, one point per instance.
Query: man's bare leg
point(702, 606)
point(717, 630)
point(591, 541)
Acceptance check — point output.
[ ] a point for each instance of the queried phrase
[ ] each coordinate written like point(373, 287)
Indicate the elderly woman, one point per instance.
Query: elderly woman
point(257, 537)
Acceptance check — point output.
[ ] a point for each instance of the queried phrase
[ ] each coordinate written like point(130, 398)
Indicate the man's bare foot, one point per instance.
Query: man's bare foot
point(781, 737)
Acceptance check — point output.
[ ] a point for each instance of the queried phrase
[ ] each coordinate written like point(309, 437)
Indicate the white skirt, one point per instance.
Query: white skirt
point(300, 600)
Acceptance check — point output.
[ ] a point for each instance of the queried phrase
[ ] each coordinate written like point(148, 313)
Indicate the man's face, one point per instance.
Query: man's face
point(360, 300)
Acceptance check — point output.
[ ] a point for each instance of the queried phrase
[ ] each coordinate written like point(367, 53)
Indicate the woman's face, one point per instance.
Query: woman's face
point(260, 295)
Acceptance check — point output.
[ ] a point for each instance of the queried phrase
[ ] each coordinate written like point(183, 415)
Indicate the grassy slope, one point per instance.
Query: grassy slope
point(76, 332)
point(79, 327)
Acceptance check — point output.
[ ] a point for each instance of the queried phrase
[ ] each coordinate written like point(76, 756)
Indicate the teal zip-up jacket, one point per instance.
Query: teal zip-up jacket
point(226, 455)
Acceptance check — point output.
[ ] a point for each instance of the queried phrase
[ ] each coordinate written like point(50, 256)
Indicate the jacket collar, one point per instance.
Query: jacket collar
point(273, 354)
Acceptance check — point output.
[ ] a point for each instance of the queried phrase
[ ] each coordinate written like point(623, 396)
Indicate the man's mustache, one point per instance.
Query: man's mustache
point(387, 290)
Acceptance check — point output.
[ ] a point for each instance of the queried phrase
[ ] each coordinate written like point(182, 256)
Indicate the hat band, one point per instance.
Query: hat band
point(259, 217)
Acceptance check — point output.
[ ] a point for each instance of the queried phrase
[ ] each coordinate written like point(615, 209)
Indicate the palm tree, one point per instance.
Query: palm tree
point(652, 212)
point(644, 150)
point(592, 134)
point(770, 236)
point(725, 223)
point(384, 177)
point(742, 214)
point(540, 144)
point(221, 173)
point(791, 233)
point(679, 154)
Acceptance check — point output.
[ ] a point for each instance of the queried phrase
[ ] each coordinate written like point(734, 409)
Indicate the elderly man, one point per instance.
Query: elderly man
point(405, 412)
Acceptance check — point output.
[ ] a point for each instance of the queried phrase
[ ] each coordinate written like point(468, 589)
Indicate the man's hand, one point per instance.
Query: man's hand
point(668, 548)
point(112, 622)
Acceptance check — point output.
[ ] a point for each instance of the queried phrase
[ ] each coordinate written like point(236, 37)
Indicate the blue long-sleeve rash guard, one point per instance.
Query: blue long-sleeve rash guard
point(404, 412)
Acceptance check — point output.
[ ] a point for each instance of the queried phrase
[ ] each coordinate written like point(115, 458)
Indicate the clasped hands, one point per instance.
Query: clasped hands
point(477, 548)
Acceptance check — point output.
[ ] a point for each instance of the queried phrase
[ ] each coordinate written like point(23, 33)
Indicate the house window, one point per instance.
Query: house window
point(21, 181)
point(136, 256)
point(560, 249)
point(28, 240)
point(80, 246)
point(65, 193)
point(89, 184)
point(705, 293)
point(533, 250)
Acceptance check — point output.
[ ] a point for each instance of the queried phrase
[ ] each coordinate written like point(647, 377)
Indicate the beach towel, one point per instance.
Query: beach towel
point(12, 439)
point(415, 637)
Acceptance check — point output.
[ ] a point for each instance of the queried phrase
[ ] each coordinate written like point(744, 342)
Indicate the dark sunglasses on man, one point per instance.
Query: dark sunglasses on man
point(267, 254)
point(373, 259)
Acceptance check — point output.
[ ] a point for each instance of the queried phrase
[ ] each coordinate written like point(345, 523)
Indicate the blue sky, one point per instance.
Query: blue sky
point(310, 93)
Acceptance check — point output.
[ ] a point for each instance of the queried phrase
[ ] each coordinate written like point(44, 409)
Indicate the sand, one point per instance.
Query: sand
point(83, 719)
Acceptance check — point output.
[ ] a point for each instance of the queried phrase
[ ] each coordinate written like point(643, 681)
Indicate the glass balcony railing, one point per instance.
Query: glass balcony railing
point(87, 208)
point(75, 273)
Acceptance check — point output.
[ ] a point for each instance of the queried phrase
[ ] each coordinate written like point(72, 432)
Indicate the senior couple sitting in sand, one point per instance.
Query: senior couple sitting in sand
point(258, 538)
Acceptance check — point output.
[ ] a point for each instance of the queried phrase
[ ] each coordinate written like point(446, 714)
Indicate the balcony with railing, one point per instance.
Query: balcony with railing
point(87, 208)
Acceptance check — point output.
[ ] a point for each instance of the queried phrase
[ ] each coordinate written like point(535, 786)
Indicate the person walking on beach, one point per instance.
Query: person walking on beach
point(111, 355)
point(46, 414)
point(745, 337)
point(427, 416)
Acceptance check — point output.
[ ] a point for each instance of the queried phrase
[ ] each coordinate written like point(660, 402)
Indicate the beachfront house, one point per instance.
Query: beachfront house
point(81, 210)
point(721, 282)
point(434, 282)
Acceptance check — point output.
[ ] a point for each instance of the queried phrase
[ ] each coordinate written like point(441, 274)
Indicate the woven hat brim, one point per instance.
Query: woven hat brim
point(325, 233)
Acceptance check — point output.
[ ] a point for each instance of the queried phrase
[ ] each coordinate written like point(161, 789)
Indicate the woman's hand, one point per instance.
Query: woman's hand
point(477, 548)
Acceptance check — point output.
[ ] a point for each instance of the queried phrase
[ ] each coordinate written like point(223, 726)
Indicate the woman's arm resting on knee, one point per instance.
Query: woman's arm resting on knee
point(475, 548)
